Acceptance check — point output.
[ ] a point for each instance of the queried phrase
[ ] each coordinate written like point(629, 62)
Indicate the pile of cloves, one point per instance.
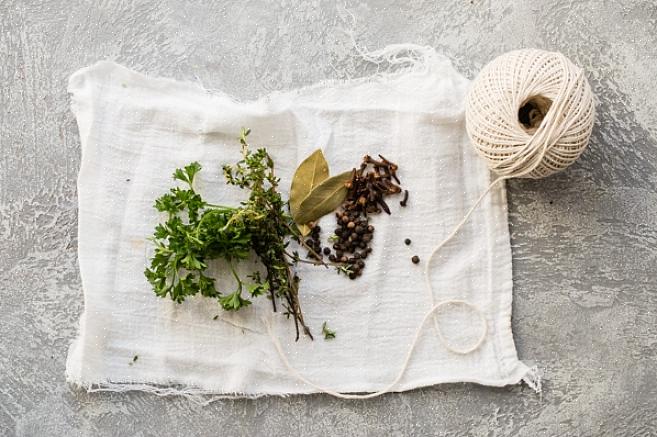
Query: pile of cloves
point(369, 185)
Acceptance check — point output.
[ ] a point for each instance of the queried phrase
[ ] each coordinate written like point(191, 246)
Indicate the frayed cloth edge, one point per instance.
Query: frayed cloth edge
point(532, 377)
point(195, 395)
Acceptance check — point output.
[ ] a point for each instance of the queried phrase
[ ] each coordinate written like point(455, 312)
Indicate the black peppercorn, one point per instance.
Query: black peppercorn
point(327, 251)
point(415, 259)
point(407, 241)
point(332, 258)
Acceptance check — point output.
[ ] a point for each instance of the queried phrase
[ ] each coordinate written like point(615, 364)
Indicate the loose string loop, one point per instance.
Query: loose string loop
point(389, 388)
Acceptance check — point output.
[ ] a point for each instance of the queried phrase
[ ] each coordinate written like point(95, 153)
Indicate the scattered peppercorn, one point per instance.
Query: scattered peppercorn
point(415, 259)
point(407, 241)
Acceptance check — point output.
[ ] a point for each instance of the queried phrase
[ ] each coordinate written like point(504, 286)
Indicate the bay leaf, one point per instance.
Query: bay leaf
point(311, 172)
point(324, 199)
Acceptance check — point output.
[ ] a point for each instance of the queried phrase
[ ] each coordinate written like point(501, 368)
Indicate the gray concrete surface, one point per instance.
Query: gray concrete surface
point(584, 242)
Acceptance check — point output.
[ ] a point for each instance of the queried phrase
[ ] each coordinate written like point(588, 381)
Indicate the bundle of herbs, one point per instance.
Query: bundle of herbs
point(196, 231)
point(259, 225)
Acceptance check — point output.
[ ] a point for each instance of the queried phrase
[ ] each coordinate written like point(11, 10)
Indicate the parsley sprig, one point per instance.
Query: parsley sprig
point(196, 231)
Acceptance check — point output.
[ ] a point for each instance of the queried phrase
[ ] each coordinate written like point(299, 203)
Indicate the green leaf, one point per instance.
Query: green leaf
point(206, 286)
point(191, 262)
point(180, 175)
point(187, 175)
point(324, 199)
point(233, 301)
point(256, 290)
point(328, 334)
point(310, 173)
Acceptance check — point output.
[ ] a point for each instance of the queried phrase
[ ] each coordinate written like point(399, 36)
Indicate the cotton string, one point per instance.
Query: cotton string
point(404, 366)
point(560, 115)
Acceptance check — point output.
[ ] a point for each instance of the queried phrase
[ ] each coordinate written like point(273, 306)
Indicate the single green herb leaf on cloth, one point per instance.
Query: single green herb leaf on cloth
point(324, 199)
point(311, 172)
point(328, 334)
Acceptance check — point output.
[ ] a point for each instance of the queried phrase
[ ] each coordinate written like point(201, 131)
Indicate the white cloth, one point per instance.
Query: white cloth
point(135, 130)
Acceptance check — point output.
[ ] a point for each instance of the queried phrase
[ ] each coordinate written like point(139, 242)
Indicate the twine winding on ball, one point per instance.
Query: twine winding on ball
point(530, 113)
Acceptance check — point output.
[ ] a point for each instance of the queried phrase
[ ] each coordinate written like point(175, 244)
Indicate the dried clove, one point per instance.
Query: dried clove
point(405, 199)
point(384, 205)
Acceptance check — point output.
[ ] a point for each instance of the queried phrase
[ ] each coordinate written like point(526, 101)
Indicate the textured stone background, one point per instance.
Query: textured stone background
point(584, 242)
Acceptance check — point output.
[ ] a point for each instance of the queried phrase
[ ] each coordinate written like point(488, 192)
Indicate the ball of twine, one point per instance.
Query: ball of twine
point(529, 113)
